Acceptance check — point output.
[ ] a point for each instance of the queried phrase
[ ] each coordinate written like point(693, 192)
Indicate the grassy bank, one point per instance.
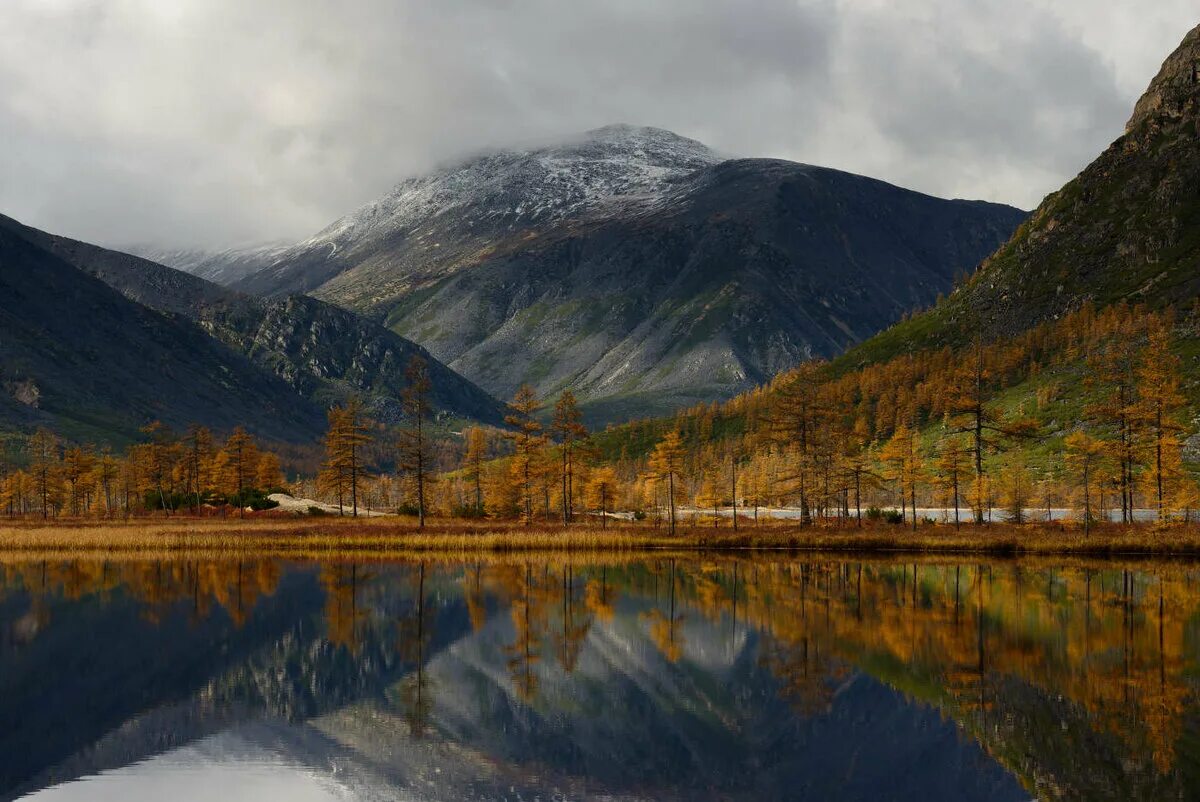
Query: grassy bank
point(325, 537)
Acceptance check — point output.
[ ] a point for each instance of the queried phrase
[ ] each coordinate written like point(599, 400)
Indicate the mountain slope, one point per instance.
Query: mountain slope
point(78, 355)
point(321, 351)
point(1126, 228)
point(637, 267)
point(434, 225)
point(221, 267)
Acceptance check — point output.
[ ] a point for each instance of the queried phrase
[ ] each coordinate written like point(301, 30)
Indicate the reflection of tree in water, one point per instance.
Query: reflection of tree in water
point(1112, 645)
point(476, 599)
point(528, 611)
point(158, 587)
point(415, 633)
point(342, 612)
point(576, 624)
point(665, 630)
point(599, 597)
point(806, 667)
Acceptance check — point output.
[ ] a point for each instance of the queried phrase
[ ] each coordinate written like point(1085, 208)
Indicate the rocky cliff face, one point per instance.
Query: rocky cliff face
point(1172, 94)
point(638, 268)
point(1126, 228)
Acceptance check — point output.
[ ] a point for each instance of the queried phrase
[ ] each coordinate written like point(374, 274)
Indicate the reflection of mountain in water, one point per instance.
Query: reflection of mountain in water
point(112, 678)
point(794, 681)
point(710, 724)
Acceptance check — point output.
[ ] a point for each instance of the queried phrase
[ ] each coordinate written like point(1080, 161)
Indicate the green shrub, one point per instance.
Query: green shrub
point(461, 511)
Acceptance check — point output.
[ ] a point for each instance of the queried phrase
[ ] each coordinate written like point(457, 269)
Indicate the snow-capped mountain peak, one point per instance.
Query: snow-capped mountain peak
point(530, 186)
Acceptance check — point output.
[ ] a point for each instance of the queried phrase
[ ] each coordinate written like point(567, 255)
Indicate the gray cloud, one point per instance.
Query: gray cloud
point(206, 122)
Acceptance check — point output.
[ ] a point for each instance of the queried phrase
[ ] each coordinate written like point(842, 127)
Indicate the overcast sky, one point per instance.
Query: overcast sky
point(213, 122)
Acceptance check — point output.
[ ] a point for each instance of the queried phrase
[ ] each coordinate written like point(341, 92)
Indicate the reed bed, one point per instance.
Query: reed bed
point(322, 538)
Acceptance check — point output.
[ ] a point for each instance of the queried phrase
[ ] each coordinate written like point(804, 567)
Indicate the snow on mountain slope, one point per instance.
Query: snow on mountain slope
point(615, 163)
point(432, 225)
point(221, 266)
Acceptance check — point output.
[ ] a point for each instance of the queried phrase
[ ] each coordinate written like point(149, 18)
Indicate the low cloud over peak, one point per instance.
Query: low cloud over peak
point(209, 122)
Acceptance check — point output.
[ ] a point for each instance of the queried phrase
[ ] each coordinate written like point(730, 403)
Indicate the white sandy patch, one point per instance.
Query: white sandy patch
point(302, 505)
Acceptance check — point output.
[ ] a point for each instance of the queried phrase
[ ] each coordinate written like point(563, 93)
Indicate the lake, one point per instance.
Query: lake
point(530, 678)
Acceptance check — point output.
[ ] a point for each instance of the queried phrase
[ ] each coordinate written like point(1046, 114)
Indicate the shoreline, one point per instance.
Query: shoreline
point(397, 538)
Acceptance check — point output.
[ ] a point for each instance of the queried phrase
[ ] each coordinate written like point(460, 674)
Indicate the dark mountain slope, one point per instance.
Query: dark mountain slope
point(1126, 228)
point(321, 351)
point(77, 354)
point(748, 268)
point(639, 268)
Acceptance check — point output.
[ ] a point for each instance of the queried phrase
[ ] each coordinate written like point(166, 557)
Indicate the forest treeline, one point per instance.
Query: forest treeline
point(1089, 413)
point(1086, 413)
point(170, 472)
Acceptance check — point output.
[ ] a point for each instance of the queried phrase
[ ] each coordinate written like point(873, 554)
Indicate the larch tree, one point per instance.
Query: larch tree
point(855, 464)
point(969, 412)
point(107, 471)
point(1113, 371)
point(477, 449)
point(666, 461)
point(331, 478)
point(902, 455)
point(527, 439)
point(239, 458)
point(414, 446)
point(1016, 489)
point(1160, 401)
point(953, 463)
point(158, 460)
point(44, 468)
point(345, 442)
point(78, 464)
point(269, 474)
point(601, 490)
point(567, 427)
point(199, 463)
point(709, 494)
point(1085, 457)
point(796, 421)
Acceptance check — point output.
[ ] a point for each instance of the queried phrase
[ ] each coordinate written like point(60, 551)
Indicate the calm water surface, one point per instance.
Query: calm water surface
point(676, 679)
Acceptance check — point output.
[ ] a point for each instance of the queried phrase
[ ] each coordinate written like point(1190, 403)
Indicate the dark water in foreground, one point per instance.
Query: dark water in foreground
point(542, 679)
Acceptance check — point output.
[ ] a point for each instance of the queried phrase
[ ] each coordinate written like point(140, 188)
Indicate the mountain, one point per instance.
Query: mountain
point(320, 351)
point(220, 266)
point(637, 267)
point(622, 722)
point(432, 226)
point(1126, 228)
point(78, 355)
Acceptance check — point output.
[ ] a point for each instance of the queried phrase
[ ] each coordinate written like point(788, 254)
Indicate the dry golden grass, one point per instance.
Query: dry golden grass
point(324, 538)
